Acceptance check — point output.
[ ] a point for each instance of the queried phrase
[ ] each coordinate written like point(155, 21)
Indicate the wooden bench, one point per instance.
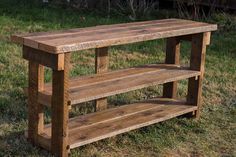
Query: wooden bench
point(53, 49)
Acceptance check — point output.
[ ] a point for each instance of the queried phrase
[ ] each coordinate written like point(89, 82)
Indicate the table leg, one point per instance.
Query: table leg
point(60, 111)
point(197, 62)
point(35, 110)
point(172, 57)
point(101, 66)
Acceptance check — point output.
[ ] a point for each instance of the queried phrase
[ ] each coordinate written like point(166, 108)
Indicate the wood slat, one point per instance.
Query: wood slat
point(36, 35)
point(50, 35)
point(123, 38)
point(102, 36)
point(112, 32)
point(118, 120)
point(85, 32)
point(111, 83)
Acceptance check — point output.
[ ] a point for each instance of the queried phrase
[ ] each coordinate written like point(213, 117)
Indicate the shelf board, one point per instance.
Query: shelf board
point(103, 124)
point(87, 88)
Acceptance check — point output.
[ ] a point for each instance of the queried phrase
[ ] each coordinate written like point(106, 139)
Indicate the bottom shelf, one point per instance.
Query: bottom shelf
point(100, 125)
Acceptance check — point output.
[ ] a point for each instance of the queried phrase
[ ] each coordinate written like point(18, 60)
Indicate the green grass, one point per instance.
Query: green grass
point(213, 135)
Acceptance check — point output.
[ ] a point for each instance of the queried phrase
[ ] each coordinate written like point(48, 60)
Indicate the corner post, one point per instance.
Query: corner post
point(197, 62)
point(35, 110)
point(172, 57)
point(60, 109)
point(101, 66)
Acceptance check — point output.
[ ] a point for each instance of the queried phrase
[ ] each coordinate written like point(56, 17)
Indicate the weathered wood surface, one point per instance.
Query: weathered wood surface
point(53, 50)
point(197, 62)
point(116, 82)
point(60, 110)
point(35, 110)
point(101, 66)
point(53, 61)
point(103, 124)
point(108, 35)
point(172, 57)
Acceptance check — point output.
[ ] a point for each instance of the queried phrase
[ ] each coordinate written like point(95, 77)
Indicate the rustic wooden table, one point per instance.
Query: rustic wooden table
point(53, 49)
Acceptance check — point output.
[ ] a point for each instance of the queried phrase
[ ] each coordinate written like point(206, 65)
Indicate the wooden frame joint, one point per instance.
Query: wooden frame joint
point(189, 38)
point(54, 61)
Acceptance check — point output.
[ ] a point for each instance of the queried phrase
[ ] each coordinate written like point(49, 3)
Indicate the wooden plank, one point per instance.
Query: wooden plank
point(110, 31)
point(105, 115)
point(101, 66)
point(114, 75)
point(111, 86)
point(45, 96)
point(172, 57)
point(86, 33)
point(35, 110)
point(60, 111)
point(100, 117)
point(53, 34)
point(126, 124)
point(197, 62)
point(42, 36)
point(103, 36)
point(118, 120)
point(127, 84)
point(19, 38)
point(124, 38)
point(116, 85)
point(54, 61)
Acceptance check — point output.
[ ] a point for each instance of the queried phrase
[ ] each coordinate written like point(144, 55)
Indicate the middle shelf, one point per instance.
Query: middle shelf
point(86, 88)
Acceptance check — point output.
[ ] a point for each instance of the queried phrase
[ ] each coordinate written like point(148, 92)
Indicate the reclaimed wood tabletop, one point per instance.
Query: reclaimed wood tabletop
point(107, 35)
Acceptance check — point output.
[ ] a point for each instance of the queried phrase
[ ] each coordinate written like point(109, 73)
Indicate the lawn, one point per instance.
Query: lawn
point(213, 135)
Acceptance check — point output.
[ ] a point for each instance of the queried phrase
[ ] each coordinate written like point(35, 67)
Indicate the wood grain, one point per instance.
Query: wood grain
point(53, 49)
point(118, 120)
point(111, 31)
point(197, 62)
point(111, 83)
point(103, 36)
point(36, 35)
point(60, 111)
point(35, 110)
point(208, 38)
point(172, 57)
point(101, 66)
point(54, 61)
